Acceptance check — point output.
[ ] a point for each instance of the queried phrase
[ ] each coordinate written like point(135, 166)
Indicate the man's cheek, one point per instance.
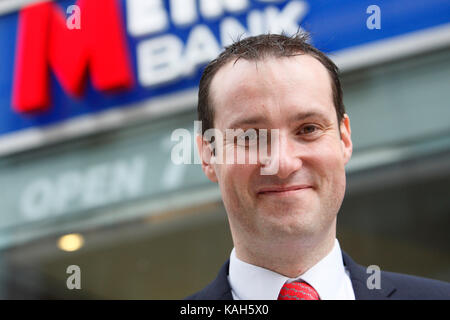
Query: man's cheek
point(240, 176)
point(331, 157)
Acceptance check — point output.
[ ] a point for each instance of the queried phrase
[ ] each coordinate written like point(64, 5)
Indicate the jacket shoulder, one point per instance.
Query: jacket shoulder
point(416, 288)
point(394, 285)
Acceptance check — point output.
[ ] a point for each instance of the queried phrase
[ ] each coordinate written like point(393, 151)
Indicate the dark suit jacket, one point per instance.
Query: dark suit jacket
point(393, 286)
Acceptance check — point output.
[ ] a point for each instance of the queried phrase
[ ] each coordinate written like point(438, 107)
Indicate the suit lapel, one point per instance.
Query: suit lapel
point(359, 276)
point(220, 288)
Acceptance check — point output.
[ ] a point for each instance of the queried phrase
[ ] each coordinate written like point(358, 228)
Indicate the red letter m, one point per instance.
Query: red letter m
point(44, 41)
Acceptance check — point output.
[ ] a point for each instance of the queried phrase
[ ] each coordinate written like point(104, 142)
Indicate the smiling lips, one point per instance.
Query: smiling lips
point(280, 190)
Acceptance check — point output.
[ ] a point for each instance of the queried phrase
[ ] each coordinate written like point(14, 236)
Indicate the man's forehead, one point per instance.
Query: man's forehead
point(237, 65)
point(242, 80)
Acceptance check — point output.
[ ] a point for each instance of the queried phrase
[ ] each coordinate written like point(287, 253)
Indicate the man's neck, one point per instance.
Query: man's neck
point(290, 258)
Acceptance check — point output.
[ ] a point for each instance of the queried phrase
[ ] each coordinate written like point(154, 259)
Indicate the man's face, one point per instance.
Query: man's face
point(293, 95)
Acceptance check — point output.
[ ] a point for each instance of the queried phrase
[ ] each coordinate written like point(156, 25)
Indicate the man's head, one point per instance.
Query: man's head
point(256, 49)
point(276, 82)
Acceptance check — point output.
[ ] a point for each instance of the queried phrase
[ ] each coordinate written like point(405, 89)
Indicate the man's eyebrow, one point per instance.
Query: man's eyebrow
point(238, 123)
point(247, 121)
point(310, 114)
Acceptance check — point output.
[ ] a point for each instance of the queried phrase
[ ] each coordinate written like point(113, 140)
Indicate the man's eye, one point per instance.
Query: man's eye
point(309, 129)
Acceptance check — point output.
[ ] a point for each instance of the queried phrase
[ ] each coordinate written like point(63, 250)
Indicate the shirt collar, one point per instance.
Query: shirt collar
point(249, 282)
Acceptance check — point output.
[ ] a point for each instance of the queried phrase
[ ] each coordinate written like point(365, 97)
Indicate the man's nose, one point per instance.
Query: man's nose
point(285, 158)
point(289, 160)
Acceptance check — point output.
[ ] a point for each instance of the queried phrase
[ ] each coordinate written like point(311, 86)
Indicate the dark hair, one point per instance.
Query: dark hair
point(255, 49)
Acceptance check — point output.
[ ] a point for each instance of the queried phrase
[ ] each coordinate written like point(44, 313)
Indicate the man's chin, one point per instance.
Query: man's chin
point(289, 223)
point(287, 208)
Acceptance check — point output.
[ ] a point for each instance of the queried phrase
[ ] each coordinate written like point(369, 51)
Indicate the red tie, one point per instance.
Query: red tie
point(298, 291)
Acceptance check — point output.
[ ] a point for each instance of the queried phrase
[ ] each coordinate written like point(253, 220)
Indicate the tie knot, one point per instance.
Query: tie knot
point(298, 291)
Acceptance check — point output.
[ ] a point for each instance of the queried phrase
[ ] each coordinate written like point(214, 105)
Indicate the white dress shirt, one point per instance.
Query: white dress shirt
point(328, 277)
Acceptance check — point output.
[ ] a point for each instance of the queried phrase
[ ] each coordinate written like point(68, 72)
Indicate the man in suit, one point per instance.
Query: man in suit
point(281, 99)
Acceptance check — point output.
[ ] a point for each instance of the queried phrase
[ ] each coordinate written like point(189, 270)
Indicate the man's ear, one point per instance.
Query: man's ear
point(206, 156)
point(346, 139)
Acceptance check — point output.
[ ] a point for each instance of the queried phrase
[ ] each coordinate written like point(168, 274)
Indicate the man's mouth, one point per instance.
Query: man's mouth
point(283, 190)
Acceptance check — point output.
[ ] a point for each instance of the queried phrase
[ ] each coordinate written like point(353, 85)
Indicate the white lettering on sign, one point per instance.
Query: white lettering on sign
point(211, 9)
point(146, 16)
point(159, 60)
point(183, 12)
point(162, 59)
point(37, 199)
point(97, 185)
point(166, 58)
point(68, 186)
point(94, 190)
